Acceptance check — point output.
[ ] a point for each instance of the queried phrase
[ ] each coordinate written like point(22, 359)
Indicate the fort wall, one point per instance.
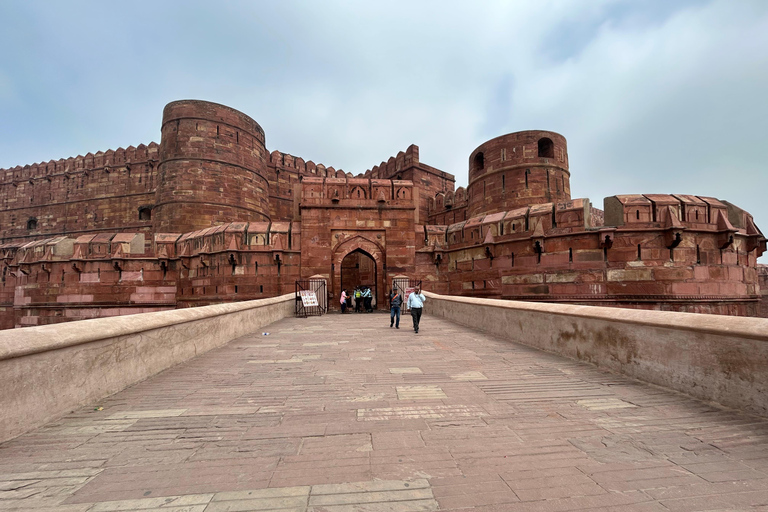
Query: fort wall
point(651, 260)
point(211, 216)
point(106, 191)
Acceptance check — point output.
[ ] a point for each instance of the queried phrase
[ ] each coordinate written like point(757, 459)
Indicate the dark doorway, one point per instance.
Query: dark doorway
point(358, 268)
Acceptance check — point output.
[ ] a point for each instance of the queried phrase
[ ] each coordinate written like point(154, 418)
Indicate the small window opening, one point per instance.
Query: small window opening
point(501, 229)
point(261, 288)
point(698, 255)
point(503, 154)
point(527, 172)
point(697, 214)
point(237, 139)
point(637, 214)
point(256, 268)
point(570, 255)
point(479, 161)
point(217, 130)
point(145, 213)
point(512, 259)
point(235, 288)
point(546, 148)
point(639, 253)
point(32, 224)
point(503, 183)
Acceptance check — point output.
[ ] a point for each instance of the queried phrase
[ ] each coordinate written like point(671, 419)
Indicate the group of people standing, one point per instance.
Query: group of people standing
point(362, 296)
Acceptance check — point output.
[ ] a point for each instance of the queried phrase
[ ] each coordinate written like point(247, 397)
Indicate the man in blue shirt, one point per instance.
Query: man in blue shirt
point(416, 304)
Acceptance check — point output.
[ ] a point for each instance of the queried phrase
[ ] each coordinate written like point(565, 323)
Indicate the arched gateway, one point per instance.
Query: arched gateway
point(359, 249)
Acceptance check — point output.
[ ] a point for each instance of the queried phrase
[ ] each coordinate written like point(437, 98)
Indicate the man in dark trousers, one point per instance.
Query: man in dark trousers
point(416, 304)
point(395, 301)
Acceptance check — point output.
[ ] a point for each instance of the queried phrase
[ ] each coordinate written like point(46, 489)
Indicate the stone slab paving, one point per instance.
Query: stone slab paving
point(342, 413)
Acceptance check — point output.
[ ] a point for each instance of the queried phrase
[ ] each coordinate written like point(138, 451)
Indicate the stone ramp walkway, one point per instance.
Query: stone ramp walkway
point(342, 413)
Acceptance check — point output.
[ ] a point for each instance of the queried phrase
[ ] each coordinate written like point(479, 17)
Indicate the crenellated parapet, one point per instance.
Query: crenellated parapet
point(108, 161)
point(98, 191)
point(360, 192)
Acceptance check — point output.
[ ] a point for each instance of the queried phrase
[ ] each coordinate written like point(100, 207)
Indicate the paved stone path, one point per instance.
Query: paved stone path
point(342, 413)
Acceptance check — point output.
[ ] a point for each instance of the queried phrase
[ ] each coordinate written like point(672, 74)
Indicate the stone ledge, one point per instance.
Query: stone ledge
point(745, 327)
point(32, 340)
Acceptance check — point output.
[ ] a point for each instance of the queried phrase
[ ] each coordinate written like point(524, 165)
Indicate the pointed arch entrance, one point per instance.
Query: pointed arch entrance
point(358, 259)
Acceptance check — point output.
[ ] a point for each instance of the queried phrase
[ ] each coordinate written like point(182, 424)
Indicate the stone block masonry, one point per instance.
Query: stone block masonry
point(210, 215)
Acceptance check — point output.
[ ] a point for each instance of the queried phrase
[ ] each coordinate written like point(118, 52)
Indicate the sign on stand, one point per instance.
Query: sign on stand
point(308, 298)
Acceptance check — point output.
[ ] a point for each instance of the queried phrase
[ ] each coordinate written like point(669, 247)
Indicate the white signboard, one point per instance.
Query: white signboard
point(308, 298)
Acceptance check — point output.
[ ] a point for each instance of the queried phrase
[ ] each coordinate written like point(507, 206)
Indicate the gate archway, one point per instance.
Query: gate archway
point(359, 250)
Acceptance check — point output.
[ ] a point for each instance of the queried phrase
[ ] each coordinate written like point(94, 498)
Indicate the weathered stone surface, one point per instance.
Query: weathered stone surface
point(211, 216)
point(539, 432)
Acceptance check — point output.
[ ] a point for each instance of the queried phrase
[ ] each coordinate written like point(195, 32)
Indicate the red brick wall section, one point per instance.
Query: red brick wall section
point(545, 252)
point(99, 192)
point(212, 167)
point(210, 216)
point(516, 170)
point(762, 279)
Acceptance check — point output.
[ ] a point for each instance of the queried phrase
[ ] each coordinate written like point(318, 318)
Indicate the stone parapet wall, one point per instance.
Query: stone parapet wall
point(712, 358)
point(47, 371)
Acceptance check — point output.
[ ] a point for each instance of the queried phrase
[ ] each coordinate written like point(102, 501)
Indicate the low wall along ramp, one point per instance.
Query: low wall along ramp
point(721, 359)
point(47, 371)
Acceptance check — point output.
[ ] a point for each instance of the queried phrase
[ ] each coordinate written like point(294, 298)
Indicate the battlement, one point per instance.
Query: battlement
point(403, 160)
point(285, 161)
point(102, 160)
point(667, 210)
point(665, 213)
point(355, 192)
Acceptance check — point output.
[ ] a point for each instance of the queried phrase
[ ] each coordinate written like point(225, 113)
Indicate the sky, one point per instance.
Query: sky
point(653, 96)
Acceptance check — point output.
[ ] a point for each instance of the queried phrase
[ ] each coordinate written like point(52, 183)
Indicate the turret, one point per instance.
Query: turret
point(212, 168)
point(517, 170)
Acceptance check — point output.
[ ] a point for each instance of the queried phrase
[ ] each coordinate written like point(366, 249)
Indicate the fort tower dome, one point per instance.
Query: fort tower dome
point(212, 168)
point(517, 170)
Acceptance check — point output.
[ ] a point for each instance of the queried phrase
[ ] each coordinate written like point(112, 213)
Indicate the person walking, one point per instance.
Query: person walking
point(416, 304)
point(395, 301)
point(343, 301)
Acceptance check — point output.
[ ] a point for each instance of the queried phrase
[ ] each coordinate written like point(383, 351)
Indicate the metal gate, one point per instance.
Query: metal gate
point(311, 298)
point(405, 286)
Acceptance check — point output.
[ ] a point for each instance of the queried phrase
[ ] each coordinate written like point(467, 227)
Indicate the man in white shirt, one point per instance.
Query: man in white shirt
point(416, 304)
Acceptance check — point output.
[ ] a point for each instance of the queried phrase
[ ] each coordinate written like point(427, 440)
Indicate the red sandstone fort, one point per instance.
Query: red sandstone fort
point(209, 216)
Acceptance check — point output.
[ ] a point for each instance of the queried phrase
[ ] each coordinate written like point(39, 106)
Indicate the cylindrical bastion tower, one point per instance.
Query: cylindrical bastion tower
point(212, 168)
point(517, 170)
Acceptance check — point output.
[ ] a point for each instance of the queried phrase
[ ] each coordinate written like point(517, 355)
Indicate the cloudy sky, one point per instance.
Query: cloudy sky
point(654, 96)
